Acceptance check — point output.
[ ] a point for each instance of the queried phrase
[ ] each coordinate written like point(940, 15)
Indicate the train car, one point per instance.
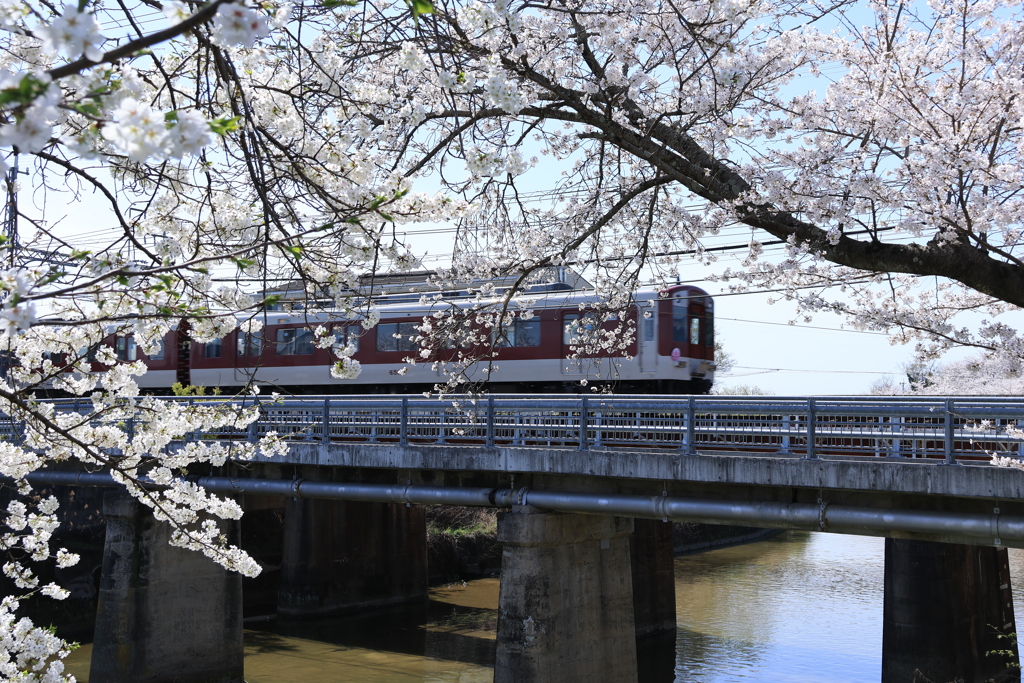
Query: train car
point(672, 353)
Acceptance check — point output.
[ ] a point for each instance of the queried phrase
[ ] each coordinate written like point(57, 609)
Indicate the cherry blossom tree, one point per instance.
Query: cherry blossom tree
point(235, 146)
point(979, 375)
point(879, 142)
point(179, 120)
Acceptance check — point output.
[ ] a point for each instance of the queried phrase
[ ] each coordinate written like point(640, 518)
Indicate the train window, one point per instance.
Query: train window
point(159, 353)
point(248, 344)
point(211, 349)
point(679, 329)
point(346, 335)
point(570, 328)
point(572, 325)
point(397, 337)
point(695, 330)
point(457, 335)
point(294, 342)
point(520, 333)
point(709, 330)
point(125, 348)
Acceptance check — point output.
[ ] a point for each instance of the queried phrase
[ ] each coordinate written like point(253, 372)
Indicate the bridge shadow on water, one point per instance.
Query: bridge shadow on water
point(436, 629)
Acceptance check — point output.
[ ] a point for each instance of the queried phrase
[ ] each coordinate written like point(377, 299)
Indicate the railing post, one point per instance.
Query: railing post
point(442, 420)
point(403, 430)
point(812, 416)
point(308, 436)
point(787, 424)
point(691, 427)
point(490, 422)
point(325, 435)
point(583, 423)
point(880, 420)
point(251, 436)
point(898, 443)
point(194, 434)
point(948, 442)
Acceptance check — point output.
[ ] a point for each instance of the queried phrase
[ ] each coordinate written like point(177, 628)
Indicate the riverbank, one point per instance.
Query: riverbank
point(693, 537)
point(462, 542)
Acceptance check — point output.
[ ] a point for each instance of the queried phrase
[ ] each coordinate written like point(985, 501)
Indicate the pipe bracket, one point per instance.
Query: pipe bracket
point(521, 496)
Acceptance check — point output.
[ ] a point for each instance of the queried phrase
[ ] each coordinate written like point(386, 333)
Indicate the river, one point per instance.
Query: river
point(796, 608)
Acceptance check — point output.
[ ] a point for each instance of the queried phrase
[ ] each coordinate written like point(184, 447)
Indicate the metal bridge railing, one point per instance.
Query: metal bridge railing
point(950, 429)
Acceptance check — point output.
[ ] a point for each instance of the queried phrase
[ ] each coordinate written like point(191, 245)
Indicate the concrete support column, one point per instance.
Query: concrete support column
point(165, 615)
point(342, 556)
point(654, 580)
point(565, 607)
point(943, 608)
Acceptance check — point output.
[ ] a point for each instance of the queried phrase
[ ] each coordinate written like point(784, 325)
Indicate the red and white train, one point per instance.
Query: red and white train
point(673, 352)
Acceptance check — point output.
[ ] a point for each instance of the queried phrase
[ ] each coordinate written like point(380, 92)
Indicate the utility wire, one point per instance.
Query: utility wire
point(806, 327)
point(824, 372)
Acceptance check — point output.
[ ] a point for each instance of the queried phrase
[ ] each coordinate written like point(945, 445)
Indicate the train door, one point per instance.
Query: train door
point(697, 328)
point(248, 350)
point(647, 333)
point(183, 353)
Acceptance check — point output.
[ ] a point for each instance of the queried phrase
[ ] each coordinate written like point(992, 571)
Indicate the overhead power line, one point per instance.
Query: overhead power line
point(823, 372)
point(802, 326)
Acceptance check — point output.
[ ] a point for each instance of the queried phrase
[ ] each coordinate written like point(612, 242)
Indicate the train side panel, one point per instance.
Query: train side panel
point(673, 352)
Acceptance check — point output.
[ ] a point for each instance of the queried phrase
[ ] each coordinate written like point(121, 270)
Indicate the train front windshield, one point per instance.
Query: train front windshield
point(679, 321)
point(691, 324)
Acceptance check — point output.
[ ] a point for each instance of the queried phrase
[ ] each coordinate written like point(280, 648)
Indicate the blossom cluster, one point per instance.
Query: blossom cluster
point(140, 133)
point(75, 33)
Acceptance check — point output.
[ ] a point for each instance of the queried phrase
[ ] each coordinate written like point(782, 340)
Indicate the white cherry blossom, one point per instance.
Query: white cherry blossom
point(236, 24)
point(74, 33)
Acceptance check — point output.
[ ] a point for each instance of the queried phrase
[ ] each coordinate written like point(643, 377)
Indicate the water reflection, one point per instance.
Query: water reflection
point(451, 638)
point(793, 609)
point(798, 607)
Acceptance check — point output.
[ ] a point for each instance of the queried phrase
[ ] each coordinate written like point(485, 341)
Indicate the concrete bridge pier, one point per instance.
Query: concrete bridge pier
point(565, 606)
point(342, 556)
point(165, 615)
point(944, 606)
point(654, 582)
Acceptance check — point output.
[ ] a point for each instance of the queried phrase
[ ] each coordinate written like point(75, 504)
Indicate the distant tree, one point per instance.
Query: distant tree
point(741, 390)
point(979, 375)
point(724, 360)
point(887, 386)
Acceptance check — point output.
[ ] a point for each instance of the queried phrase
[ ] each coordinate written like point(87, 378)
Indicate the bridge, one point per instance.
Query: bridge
point(587, 483)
